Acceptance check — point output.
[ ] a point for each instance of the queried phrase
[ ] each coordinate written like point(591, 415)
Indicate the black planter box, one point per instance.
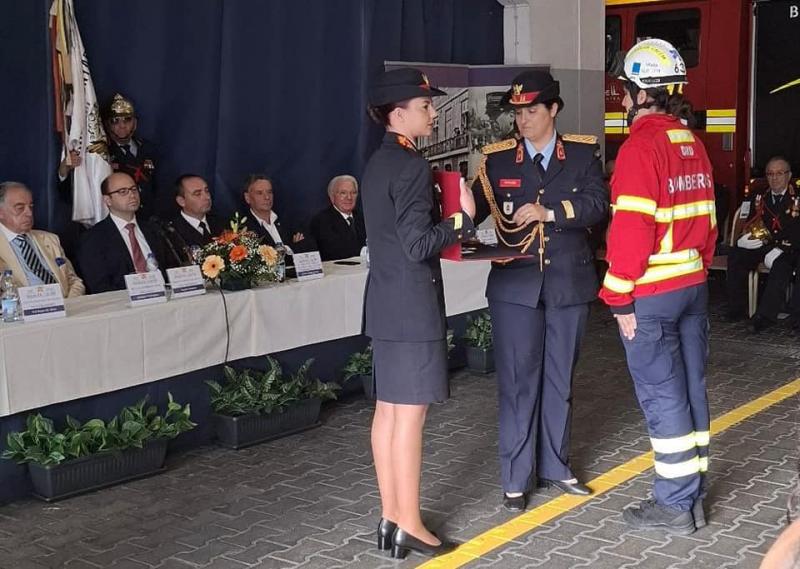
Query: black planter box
point(59, 481)
point(246, 430)
point(480, 360)
point(369, 388)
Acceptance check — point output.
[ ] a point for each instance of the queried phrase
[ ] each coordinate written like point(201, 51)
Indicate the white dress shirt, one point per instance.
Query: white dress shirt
point(194, 222)
point(270, 227)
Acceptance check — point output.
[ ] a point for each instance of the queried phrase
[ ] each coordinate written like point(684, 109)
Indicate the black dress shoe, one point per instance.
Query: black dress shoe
point(403, 542)
point(574, 488)
point(514, 503)
point(385, 531)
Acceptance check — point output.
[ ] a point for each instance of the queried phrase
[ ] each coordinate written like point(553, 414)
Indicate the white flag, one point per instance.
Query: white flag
point(79, 114)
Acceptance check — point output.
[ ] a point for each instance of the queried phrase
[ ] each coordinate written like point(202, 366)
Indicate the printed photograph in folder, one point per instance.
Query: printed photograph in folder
point(485, 245)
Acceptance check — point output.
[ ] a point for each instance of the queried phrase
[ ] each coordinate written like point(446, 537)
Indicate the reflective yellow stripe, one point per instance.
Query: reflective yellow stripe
point(677, 257)
point(702, 438)
point(680, 136)
point(664, 272)
point(685, 468)
point(721, 128)
point(666, 241)
point(637, 204)
point(617, 284)
point(675, 444)
point(721, 112)
point(685, 211)
point(703, 460)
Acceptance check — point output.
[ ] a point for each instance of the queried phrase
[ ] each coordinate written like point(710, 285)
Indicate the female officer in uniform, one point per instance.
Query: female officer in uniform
point(544, 190)
point(404, 300)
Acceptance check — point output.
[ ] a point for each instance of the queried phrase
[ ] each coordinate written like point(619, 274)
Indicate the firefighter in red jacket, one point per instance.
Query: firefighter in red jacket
point(660, 244)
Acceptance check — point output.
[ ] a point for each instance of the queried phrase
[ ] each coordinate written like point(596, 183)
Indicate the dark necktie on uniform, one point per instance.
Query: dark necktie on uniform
point(537, 161)
point(351, 223)
point(204, 230)
point(32, 260)
point(139, 262)
point(126, 148)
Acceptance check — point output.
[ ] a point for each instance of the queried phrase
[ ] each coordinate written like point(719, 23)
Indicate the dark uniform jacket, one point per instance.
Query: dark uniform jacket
point(334, 237)
point(404, 299)
point(142, 169)
point(776, 215)
point(104, 258)
point(573, 188)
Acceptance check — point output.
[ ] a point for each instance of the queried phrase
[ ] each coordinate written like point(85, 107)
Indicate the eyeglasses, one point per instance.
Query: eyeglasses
point(777, 174)
point(117, 120)
point(125, 192)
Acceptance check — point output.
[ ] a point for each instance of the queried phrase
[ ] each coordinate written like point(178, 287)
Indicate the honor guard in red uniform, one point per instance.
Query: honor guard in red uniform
point(543, 190)
point(660, 244)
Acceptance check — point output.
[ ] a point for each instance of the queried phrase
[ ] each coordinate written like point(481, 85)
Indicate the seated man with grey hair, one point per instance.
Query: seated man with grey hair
point(338, 230)
point(35, 257)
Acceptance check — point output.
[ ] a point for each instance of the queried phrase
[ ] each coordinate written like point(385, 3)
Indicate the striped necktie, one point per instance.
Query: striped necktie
point(32, 259)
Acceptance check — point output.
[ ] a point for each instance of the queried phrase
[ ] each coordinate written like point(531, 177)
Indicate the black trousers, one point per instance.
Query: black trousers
point(740, 263)
point(780, 275)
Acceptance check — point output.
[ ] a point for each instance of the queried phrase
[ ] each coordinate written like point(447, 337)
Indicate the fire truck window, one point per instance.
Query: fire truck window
point(681, 28)
point(613, 39)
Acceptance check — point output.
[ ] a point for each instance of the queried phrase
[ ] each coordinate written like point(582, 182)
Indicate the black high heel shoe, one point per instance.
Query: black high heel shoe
point(385, 531)
point(403, 542)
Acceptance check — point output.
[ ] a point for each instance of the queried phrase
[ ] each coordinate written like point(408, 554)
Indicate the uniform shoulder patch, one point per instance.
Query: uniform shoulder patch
point(507, 144)
point(582, 138)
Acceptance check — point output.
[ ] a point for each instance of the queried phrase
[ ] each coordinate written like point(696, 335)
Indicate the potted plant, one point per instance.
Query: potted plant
point(253, 406)
point(96, 454)
point(478, 337)
point(359, 369)
point(236, 260)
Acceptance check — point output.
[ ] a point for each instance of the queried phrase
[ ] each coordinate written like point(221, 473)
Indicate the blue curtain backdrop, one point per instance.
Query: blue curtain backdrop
point(225, 88)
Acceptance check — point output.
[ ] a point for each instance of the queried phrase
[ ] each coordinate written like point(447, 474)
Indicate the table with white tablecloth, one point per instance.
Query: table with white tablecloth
point(104, 345)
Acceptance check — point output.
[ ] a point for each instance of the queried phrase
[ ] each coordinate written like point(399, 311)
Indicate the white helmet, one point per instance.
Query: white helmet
point(654, 63)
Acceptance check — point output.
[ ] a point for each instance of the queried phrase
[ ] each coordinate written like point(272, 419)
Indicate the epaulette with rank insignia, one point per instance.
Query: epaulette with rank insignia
point(582, 138)
point(507, 144)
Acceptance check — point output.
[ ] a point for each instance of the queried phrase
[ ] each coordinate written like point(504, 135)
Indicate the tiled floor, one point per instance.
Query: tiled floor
point(310, 500)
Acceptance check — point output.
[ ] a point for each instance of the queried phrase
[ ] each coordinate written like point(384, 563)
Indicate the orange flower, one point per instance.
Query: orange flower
point(238, 253)
point(212, 266)
point(227, 237)
point(268, 254)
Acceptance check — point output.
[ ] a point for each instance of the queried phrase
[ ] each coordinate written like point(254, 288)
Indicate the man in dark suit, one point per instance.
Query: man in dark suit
point(120, 244)
point(195, 225)
point(134, 156)
point(258, 193)
point(339, 229)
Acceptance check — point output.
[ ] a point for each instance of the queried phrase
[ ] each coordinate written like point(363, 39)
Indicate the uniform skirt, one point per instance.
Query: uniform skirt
point(410, 373)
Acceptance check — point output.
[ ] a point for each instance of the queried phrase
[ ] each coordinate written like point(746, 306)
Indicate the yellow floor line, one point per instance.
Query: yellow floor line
point(530, 520)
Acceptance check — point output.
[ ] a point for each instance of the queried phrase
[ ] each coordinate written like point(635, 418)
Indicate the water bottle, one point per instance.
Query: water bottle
point(281, 265)
point(152, 264)
point(9, 298)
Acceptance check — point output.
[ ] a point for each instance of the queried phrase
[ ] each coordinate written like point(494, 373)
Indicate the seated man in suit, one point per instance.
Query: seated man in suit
point(195, 225)
point(121, 244)
point(339, 229)
point(34, 257)
point(258, 194)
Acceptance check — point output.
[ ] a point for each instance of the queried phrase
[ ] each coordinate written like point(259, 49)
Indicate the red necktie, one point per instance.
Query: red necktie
point(139, 262)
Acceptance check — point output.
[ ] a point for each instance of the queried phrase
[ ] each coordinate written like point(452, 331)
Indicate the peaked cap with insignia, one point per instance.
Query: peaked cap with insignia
point(400, 85)
point(532, 87)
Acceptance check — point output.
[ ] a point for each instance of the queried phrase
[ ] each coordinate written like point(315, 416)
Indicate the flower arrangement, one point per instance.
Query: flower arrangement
point(237, 259)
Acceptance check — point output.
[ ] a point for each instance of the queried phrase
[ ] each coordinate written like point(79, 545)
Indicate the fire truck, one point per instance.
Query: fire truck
point(743, 66)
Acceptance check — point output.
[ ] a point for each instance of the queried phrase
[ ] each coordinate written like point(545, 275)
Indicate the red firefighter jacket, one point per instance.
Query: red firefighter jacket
point(663, 229)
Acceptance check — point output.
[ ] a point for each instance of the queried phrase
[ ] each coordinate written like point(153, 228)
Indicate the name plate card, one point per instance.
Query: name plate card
point(487, 236)
point(146, 288)
point(308, 266)
point(186, 281)
point(41, 302)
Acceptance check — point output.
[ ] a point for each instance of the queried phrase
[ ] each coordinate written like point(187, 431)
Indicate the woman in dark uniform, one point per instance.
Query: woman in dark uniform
point(404, 303)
